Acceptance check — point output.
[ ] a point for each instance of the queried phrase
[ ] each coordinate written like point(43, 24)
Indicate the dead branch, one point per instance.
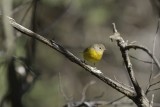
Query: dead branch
point(140, 99)
point(94, 103)
point(133, 57)
point(150, 85)
point(51, 43)
point(143, 48)
point(85, 90)
point(151, 103)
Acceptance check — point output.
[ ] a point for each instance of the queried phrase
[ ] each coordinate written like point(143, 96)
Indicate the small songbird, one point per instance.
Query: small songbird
point(94, 53)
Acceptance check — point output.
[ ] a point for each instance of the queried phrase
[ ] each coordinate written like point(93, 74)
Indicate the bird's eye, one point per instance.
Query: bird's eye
point(100, 48)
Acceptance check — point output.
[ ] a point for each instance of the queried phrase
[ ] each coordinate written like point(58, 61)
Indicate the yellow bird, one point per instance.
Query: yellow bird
point(94, 53)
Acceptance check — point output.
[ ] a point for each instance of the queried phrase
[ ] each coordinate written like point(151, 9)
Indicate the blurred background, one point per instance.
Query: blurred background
point(29, 70)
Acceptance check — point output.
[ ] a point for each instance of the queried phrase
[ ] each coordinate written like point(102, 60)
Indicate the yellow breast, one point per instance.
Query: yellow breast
point(92, 55)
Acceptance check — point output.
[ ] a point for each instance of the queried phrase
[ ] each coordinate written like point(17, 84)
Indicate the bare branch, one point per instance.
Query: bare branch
point(147, 90)
point(109, 103)
point(153, 52)
point(122, 44)
point(85, 90)
point(147, 51)
point(61, 89)
point(124, 90)
point(92, 103)
point(154, 89)
point(123, 83)
point(26, 12)
point(158, 25)
point(140, 99)
point(154, 44)
point(99, 96)
point(141, 60)
point(151, 103)
point(22, 5)
point(155, 83)
point(150, 85)
point(114, 28)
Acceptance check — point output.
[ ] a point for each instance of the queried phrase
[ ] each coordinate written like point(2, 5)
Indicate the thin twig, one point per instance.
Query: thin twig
point(114, 28)
point(154, 89)
point(147, 90)
point(92, 103)
point(109, 103)
point(26, 12)
point(150, 76)
point(99, 96)
point(22, 5)
point(151, 103)
point(85, 90)
point(69, 7)
point(153, 53)
point(154, 44)
point(61, 89)
point(155, 83)
point(158, 25)
point(150, 85)
point(140, 60)
point(123, 103)
point(123, 83)
point(146, 50)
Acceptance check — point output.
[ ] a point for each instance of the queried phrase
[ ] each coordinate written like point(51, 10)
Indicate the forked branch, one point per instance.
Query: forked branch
point(140, 99)
point(51, 43)
point(137, 95)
